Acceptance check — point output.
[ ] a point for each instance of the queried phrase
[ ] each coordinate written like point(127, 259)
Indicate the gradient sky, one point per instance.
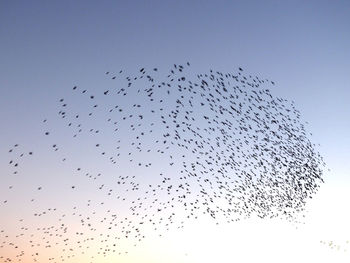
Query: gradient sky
point(47, 47)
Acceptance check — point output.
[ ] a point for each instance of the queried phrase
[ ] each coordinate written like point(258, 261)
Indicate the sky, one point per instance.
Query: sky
point(47, 47)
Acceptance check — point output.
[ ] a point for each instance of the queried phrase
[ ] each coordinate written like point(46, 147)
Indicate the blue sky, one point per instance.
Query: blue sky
point(47, 47)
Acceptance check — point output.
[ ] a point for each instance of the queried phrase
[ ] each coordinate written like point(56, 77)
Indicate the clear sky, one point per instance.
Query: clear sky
point(47, 47)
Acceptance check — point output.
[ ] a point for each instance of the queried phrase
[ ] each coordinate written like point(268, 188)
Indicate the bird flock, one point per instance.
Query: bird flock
point(159, 148)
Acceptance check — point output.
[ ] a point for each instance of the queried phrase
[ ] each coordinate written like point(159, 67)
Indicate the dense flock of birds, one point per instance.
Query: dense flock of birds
point(174, 147)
